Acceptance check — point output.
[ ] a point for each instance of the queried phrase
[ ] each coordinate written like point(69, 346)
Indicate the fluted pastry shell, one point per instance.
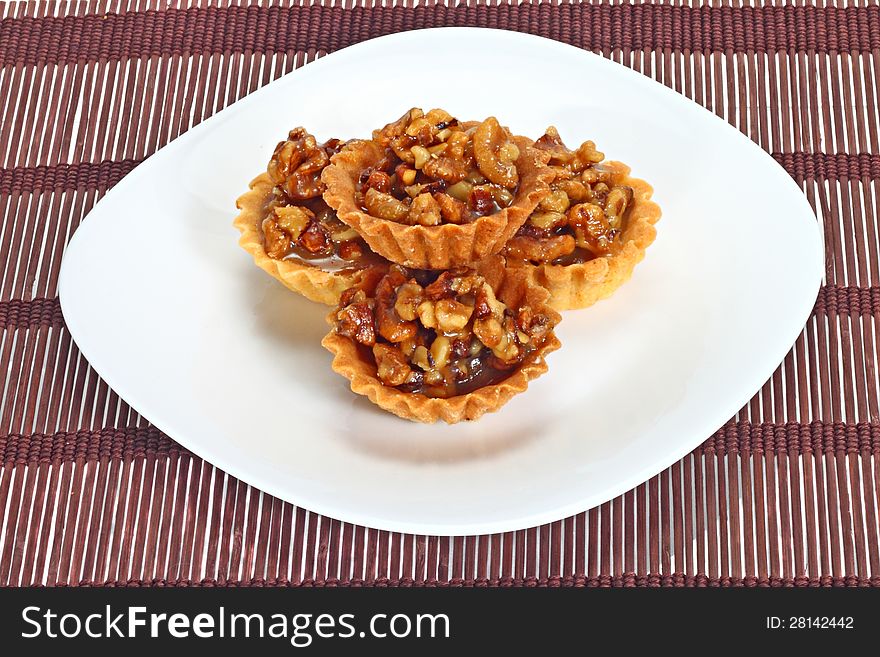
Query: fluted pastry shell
point(308, 280)
point(433, 247)
point(513, 288)
point(581, 285)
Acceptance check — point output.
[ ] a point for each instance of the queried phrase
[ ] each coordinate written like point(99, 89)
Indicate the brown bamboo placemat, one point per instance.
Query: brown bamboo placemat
point(786, 493)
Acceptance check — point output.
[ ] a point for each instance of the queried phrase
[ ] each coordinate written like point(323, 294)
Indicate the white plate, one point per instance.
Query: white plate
point(178, 320)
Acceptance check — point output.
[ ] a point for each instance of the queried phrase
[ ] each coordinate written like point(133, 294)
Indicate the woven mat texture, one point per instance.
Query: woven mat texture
point(785, 494)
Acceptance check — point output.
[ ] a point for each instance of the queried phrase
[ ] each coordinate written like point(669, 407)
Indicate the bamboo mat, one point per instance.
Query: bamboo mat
point(786, 493)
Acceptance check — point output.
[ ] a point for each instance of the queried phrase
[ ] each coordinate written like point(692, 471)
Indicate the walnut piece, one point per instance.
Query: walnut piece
point(385, 206)
point(355, 320)
point(452, 210)
point(445, 168)
point(496, 153)
point(576, 161)
point(591, 227)
point(424, 211)
point(452, 315)
point(296, 165)
point(616, 203)
point(316, 239)
point(392, 367)
point(391, 326)
point(524, 247)
point(284, 228)
point(277, 242)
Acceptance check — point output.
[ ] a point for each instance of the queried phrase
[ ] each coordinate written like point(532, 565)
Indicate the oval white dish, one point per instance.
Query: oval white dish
point(228, 362)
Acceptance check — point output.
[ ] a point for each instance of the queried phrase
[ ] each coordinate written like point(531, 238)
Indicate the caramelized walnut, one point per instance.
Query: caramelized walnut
point(440, 334)
point(355, 319)
point(452, 210)
point(297, 163)
point(436, 170)
point(591, 228)
point(583, 214)
point(576, 161)
point(392, 366)
point(385, 206)
point(425, 211)
point(316, 239)
point(496, 153)
point(536, 249)
point(392, 326)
